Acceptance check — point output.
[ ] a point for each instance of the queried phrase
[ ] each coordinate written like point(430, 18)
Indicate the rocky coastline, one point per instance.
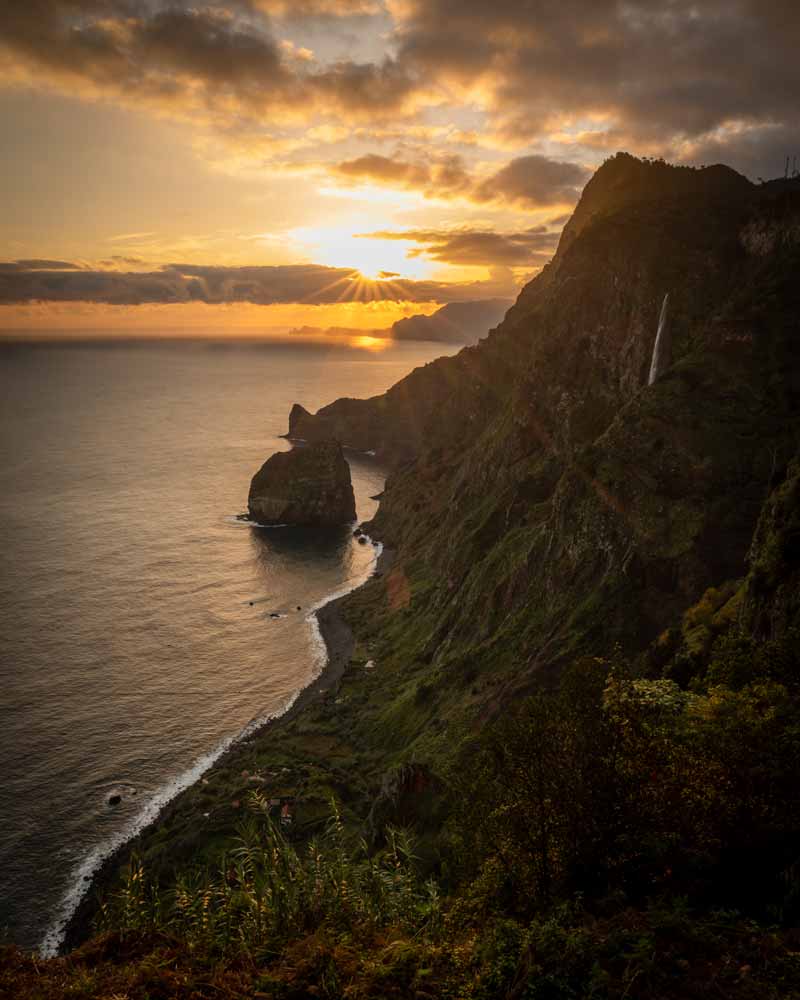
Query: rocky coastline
point(339, 643)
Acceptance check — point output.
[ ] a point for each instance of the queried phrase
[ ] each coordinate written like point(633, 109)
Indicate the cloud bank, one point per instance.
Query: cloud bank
point(309, 284)
point(528, 181)
point(218, 61)
point(474, 247)
point(643, 74)
point(684, 79)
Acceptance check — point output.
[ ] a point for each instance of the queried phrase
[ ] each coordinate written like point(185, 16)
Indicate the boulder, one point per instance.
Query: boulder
point(309, 485)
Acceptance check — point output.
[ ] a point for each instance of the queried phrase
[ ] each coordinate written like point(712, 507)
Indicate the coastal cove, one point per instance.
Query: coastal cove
point(147, 628)
point(339, 644)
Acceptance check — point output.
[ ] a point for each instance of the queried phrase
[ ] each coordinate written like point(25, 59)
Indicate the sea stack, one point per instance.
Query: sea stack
point(309, 485)
point(297, 416)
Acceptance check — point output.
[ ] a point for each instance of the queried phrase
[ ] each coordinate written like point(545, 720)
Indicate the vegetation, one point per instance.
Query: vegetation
point(618, 836)
point(266, 892)
point(624, 786)
point(563, 754)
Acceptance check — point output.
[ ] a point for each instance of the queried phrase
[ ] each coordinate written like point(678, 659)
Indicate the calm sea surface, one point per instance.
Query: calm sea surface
point(135, 628)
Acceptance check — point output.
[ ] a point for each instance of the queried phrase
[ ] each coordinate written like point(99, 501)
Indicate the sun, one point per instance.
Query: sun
point(375, 260)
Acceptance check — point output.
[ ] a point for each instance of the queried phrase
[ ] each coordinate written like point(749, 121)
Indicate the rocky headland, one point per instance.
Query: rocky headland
point(546, 499)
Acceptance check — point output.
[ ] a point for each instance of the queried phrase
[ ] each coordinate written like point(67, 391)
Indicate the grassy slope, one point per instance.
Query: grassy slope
point(585, 510)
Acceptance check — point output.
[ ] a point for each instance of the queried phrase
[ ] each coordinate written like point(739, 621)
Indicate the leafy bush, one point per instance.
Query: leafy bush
point(618, 783)
point(601, 842)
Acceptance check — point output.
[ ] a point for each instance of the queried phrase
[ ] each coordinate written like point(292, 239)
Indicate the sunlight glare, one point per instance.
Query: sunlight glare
point(338, 246)
point(367, 343)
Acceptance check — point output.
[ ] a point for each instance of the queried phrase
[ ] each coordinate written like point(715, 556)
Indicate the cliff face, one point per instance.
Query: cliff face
point(683, 225)
point(545, 499)
point(398, 425)
point(305, 486)
point(771, 602)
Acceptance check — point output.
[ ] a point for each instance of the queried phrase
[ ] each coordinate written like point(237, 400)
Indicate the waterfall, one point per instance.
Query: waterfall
point(662, 353)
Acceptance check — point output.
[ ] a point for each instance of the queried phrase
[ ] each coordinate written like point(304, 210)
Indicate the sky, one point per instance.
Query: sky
point(255, 166)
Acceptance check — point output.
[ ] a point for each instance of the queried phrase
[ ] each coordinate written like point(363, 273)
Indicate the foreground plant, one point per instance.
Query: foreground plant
point(266, 891)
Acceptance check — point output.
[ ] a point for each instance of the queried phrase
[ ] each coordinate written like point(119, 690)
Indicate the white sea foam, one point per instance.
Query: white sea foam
point(240, 522)
point(82, 875)
point(320, 649)
point(81, 878)
point(236, 521)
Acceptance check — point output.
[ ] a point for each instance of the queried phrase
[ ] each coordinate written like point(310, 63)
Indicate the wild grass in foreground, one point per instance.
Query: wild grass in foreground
point(624, 836)
point(266, 891)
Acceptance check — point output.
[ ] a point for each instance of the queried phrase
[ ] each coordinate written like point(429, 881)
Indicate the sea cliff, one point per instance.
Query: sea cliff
point(549, 505)
point(544, 500)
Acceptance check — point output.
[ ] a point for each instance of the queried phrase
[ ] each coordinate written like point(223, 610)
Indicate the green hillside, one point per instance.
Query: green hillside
point(562, 760)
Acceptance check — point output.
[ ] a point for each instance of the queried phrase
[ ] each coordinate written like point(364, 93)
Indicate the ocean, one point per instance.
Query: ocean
point(137, 636)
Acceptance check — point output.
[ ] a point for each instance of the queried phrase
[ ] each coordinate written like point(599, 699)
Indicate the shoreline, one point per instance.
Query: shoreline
point(339, 643)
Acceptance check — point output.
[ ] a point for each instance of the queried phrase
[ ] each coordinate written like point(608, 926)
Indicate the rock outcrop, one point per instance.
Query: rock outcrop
point(309, 485)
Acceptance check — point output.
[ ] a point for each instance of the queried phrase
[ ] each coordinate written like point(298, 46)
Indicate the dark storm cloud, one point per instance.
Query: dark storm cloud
point(177, 283)
point(375, 89)
point(686, 79)
point(208, 46)
point(653, 71)
point(532, 181)
point(300, 9)
point(535, 180)
point(220, 59)
point(72, 36)
point(443, 176)
point(758, 153)
point(384, 169)
point(469, 247)
point(36, 264)
point(115, 260)
point(310, 284)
